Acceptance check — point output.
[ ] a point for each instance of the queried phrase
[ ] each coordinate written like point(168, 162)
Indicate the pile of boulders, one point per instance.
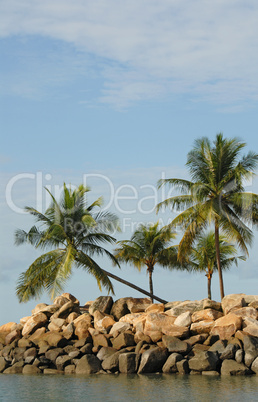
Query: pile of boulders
point(132, 335)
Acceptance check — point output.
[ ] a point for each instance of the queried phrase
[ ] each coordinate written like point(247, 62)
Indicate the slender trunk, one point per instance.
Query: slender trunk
point(150, 270)
point(218, 259)
point(209, 285)
point(134, 287)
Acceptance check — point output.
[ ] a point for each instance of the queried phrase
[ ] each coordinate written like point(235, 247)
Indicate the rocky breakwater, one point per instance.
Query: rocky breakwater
point(134, 336)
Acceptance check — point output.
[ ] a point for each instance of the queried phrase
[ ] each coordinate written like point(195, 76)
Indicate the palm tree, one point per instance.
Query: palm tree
point(215, 195)
point(74, 231)
point(148, 246)
point(203, 256)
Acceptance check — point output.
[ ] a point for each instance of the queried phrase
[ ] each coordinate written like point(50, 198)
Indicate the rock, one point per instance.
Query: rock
point(211, 340)
point(254, 304)
point(60, 301)
point(254, 366)
point(119, 308)
point(251, 329)
point(250, 299)
point(227, 326)
point(229, 352)
point(231, 367)
point(251, 349)
point(206, 315)
point(187, 305)
point(30, 369)
point(200, 338)
point(182, 366)
point(103, 322)
point(62, 361)
point(52, 371)
point(12, 336)
point(170, 364)
point(119, 327)
point(36, 321)
point(210, 373)
point(38, 308)
point(64, 310)
point(218, 347)
point(199, 346)
point(3, 364)
point(25, 343)
point(111, 363)
point(86, 349)
point(202, 327)
point(204, 361)
point(141, 337)
point(239, 356)
point(139, 322)
point(102, 304)
point(155, 308)
point(128, 362)
point(81, 325)
point(88, 364)
point(71, 298)
point(31, 352)
point(68, 331)
point(7, 327)
point(100, 340)
point(131, 318)
point(207, 303)
point(105, 352)
point(72, 316)
point(175, 345)
point(231, 302)
point(36, 336)
point(184, 319)
point(163, 323)
point(56, 324)
point(153, 360)
point(16, 368)
point(155, 336)
point(138, 305)
point(54, 339)
point(123, 340)
point(70, 369)
point(244, 312)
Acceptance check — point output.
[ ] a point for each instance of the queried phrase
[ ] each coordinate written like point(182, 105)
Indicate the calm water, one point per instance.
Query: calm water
point(153, 387)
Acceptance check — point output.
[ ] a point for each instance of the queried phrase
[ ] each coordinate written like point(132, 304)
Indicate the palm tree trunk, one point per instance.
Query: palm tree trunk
point(218, 259)
point(134, 287)
point(209, 285)
point(150, 270)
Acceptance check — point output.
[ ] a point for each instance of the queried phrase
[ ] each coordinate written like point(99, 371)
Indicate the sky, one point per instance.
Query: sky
point(113, 94)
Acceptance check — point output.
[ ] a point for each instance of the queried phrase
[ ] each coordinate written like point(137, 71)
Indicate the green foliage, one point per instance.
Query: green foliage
point(74, 232)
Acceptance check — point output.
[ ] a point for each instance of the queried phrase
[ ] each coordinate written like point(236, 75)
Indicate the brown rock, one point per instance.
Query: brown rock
point(163, 323)
point(36, 321)
point(56, 324)
point(123, 340)
point(138, 305)
point(204, 361)
point(103, 322)
point(128, 362)
point(7, 327)
point(227, 326)
point(187, 305)
point(202, 327)
point(231, 302)
point(155, 308)
point(60, 301)
point(82, 324)
point(12, 336)
point(141, 337)
point(100, 340)
point(36, 336)
point(120, 308)
point(64, 310)
point(3, 364)
point(200, 338)
point(206, 315)
point(30, 369)
point(54, 339)
point(170, 365)
point(68, 331)
point(72, 316)
point(231, 367)
point(153, 360)
point(184, 319)
point(71, 298)
point(207, 303)
point(102, 304)
point(155, 336)
point(175, 345)
point(247, 312)
point(38, 308)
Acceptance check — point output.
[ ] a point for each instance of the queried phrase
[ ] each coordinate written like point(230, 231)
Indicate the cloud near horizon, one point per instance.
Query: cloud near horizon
point(139, 50)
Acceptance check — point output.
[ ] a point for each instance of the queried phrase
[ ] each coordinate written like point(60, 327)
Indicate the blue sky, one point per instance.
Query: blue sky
point(118, 90)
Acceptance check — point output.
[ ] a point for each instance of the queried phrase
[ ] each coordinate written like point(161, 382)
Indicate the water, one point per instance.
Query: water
point(112, 388)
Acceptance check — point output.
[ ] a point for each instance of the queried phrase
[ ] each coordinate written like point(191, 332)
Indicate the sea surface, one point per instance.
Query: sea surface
point(121, 387)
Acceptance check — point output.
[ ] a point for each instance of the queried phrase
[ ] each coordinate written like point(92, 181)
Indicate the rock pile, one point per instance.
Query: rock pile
point(134, 336)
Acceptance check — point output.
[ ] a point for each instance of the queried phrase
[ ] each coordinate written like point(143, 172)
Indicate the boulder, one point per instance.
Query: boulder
point(56, 324)
point(30, 369)
point(100, 340)
point(52, 354)
point(88, 364)
point(170, 364)
point(141, 337)
point(54, 339)
point(12, 336)
point(229, 352)
point(52, 371)
point(204, 361)
point(111, 363)
point(182, 366)
point(254, 366)
point(232, 302)
point(7, 327)
point(153, 360)
point(65, 310)
point(81, 325)
point(68, 331)
point(36, 336)
point(119, 308)
point(70, 369)
point(251, 328)
point(3, 364)
point(119, 327)
point(102, 304)
point(128, 362)
point(218, 347)
point(227, 326)
point(251, 349)
point(231, 367)
point(239, 356)
point(206, 315)
point(163, 323)
point(187, 305)
point(16, 368)
point(71, 298)
point(105, 352)
point(62, 361)
point(175, 345)
point(103, 322)
point(184, 319)
point(138, 305)
point(245, 312)
point(36, 321)
point(207, 303)
point(60, 301)
point(200, 338)
point(155, 308)
point(139, 323)
point(123, 340)
point(72, 316)
point(202, 327)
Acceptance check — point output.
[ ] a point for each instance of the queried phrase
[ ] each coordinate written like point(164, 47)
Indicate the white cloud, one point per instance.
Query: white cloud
point(147, 49)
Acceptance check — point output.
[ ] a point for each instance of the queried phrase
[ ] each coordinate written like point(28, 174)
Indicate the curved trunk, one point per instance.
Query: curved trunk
point(218, 259)
point(152, 296)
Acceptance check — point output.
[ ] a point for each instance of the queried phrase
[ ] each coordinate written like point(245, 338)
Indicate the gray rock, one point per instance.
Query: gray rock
point(88, 364)
point(86, 349)
point(52, 354)
point(175, 345)
point(218, 347)
point(123, 340)
point(120, 308)
point(128, 362)
point(3, 364)
point(229, 352)
point(153, 360)
point(231, 367)
point(170, 365)
point(70, 369)
point(191, 306)
point(204, 361)
point(31, 352)
point(30, 369)
point(111, 363)
point(250, 348)
point(183, 367)
point(62, 361)
point(102, 304)
point(239, 356)
point(105, 352)
point(15, 369)
point(254, 366)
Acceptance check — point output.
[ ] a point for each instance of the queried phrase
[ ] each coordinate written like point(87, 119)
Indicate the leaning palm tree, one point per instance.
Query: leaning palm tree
point(148, 246)
point(215, 195)
point(74, 231)
point(202, 257)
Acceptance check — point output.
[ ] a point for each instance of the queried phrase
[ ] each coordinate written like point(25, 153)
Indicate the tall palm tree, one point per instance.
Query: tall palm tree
point(215, 195)
point(148, 246)
point(74, 231)
point(202, 256)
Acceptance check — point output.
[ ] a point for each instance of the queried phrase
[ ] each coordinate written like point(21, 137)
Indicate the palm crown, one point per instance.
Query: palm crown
point(75, 233)
point(215, 195)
